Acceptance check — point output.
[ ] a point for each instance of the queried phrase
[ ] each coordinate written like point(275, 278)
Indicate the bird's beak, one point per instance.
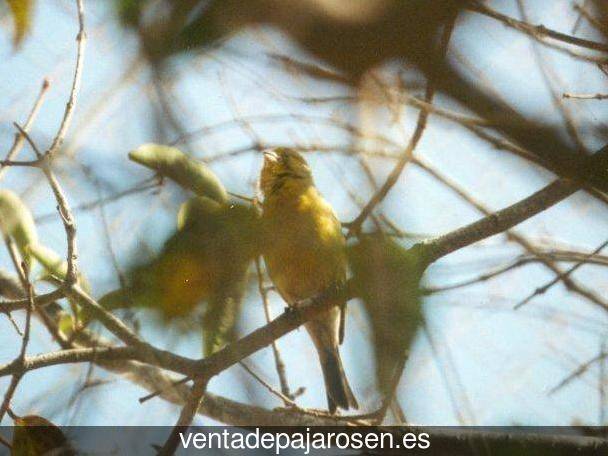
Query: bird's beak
point(271, 156)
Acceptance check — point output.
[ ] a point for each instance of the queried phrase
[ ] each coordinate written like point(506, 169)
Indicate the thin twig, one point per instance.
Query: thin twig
point(186, 416)
point(456, 407)
point(481, 278)
point(549, 78)
point(579, 18)
point(601, 385)
point(69, 356)
point(569, 283)
point(586, 96)
point(286, 399)
point(536, 31)
point(39, 301)
point(407, 154)
point(23, 273)
point(144, 185)
point(159, 392)
point(583, 13)
point(543, 289)
point(278, 360)
point(499, 221)
point(580, 370)
point(65, 213)
point(81, 39)
point(19, 138)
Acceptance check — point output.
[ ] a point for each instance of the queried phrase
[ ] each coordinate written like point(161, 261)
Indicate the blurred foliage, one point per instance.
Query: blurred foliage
point(37, 436)
point(21, 11)
point(9, 286)
point(387, 277)
point(55, 267)
point(129, 11)
point(205, 260)
point(352, 36)
point(185, 171)
point(17, 223)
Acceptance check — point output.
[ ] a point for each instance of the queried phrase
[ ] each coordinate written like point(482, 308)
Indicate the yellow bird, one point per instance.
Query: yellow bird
point(305, 255)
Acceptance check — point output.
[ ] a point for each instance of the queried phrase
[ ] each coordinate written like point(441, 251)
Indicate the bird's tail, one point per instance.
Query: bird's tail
point(337, 388)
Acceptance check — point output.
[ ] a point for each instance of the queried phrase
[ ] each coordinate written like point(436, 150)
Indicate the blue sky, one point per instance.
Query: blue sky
point(494, 366)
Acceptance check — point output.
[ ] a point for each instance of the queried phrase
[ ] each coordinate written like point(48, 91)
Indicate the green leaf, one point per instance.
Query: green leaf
point(21, 11)
point(196, 209)
point(387, 277)
point(129, 11)
point(204, 262)
point(221, 316)
point(34, 436)
point(185, 171)
point(16, 221)
point(54, 265)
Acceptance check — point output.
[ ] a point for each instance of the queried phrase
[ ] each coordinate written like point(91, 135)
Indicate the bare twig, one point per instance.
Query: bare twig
point(578, 372)
point(499, 221)
point(581, 10)
point(186, 416)
point(586, 96)
point(39, 301)
point(601, 385)
point(457, 408)
point(278, 360)
point(536, 31)
point(69, 356)
point(543, 289)
point(144, 185)
point(65, 213)
point(584, 13)
point(69, 108)
point(481, 278)
point(286, 399)
point(549, 78)
point(18, 142)
point(569, 282)
point(406, 156)
point(23, 273)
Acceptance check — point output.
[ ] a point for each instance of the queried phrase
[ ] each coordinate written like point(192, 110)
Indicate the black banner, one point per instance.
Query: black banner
point(448, 441)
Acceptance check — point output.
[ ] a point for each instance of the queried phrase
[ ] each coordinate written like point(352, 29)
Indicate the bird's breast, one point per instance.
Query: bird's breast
point(304, 246)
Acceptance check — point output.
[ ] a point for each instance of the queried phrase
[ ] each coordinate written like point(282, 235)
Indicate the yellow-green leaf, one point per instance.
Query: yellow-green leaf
point(21, 11)
point(66, 325)
point(54, 265)
point(195, 209)
point(16, 221)
point(34, 436)
point(219, 321)
point(185, 171)
point(203, 265)
point(387, 276)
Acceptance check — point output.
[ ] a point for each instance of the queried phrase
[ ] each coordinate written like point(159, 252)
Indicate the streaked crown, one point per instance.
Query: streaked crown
point(284, 166)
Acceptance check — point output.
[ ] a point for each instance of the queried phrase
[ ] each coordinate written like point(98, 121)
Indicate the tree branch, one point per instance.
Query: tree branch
point(499, 221)
point(19, 137)
point(406, 156)
point(536, 31)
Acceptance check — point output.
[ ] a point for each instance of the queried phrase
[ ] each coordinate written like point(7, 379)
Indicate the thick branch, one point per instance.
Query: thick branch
point(500, 221)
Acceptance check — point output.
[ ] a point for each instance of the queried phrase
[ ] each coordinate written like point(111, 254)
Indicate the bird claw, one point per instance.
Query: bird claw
point(289, 310)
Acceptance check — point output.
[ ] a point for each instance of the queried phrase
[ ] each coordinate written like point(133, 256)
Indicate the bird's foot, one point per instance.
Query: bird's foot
point(289, 310)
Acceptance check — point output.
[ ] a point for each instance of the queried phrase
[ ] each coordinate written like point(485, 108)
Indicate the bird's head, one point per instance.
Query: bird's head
point(284, 167)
